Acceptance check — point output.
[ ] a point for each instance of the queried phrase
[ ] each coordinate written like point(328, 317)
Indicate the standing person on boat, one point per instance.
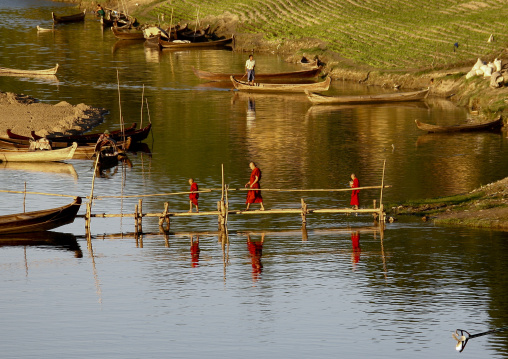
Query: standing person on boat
point(254, 183)
point(354, 183)
point(193, 197)
point(100, 11)
point(250, 64)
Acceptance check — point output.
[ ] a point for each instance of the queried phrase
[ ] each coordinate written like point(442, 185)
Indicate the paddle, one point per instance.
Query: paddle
point(462, 336)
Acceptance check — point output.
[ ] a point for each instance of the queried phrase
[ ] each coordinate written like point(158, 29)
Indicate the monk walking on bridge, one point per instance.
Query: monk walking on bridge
point(355, 199)
point(254, 196)
point(193, 197)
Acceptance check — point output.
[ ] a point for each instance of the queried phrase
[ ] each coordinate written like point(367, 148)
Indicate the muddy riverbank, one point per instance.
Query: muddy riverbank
point(22, 114)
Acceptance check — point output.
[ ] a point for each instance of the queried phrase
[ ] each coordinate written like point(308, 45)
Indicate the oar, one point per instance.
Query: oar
point(462, 336)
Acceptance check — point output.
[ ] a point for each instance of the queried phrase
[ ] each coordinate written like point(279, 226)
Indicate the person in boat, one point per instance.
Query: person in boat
point(250, 64)
point(100, 11)
point(355, 199)
point(105, 141)
point(254, 183)
point(193, 196)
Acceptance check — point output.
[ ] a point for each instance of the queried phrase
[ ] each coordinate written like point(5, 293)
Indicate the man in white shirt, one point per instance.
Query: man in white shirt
point(249, 69)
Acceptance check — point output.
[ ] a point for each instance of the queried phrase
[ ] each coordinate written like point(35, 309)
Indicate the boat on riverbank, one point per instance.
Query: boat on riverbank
point(264, 87)
point(38, 221)
point(180, 45)
point(294, 75)
point(127, 34)
point(362, 99)
point(45, 72)
point(38, 156)
point(486, 126)
point(68, 18)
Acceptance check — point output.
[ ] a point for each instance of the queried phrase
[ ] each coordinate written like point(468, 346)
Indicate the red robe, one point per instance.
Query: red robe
point(194, 196)
point(256, 251)
point(254, 196)
point(355, 240)
point(355, 200)
point(194, 250)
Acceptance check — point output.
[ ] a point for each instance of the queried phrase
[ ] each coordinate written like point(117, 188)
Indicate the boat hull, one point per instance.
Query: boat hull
point(487, 126)
point(295, 75)
point(319, 99)
point(263, 87)
point(39, 156)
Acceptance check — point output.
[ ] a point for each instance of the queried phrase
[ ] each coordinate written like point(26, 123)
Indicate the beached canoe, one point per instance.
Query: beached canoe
point(69, 18)
point(39, 156)
point(194, 45)
point(38, 221)
point(491, 125)
point(46, 72)
point(127, 35)
point(362, 99)
point(294, 75)
point(264, 87)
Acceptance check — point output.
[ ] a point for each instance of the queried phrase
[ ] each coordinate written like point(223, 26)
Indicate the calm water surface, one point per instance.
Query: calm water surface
point(345, 289)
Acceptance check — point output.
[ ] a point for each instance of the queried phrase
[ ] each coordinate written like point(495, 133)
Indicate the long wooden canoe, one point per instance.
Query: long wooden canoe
point(39, 156)
point(85, 138)
point(214, 76)
point(262, 87)
point(38, 221)
point(51, 71)
point(127, 35)
point(191, 45)
point(381, 98)
point(69, 18)
point(491, 125)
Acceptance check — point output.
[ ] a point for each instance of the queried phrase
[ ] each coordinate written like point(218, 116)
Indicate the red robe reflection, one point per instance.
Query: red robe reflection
point(256, 251)
point(355, 241)
point(194, 250)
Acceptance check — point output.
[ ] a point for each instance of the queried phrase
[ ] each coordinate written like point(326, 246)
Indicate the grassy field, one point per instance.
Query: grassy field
point(387, 34)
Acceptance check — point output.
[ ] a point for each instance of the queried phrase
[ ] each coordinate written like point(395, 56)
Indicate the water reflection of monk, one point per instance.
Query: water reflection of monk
point(256, 251)
point(194, 250)
point(355, 241)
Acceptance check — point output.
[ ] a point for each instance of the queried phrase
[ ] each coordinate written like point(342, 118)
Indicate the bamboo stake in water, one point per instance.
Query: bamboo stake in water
point(24, 198)
point(142, 98)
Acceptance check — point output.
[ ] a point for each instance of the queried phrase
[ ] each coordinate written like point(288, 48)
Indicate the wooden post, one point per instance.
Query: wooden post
point(166, 206)
point(140, 207)
point(136, 223)
point(24, 199)
point(304, 233)
point(227, 206)
point(304, 213)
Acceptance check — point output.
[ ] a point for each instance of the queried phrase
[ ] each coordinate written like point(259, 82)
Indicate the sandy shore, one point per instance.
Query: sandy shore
point(23, 114)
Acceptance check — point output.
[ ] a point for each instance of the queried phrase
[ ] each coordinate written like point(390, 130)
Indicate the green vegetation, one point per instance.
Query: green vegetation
point(381, 34)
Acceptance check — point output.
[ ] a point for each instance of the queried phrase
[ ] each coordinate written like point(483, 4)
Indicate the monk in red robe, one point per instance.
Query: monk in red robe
point(355, 199)
point(193, 197)
point(254, 196)
point(355, 241)
point(256, 251)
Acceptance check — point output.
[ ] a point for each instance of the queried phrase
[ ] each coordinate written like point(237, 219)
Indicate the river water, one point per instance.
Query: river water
point(344, 288)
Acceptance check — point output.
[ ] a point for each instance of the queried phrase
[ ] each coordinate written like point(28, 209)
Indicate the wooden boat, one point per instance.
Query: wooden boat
point(51, 71)
point(263, 87)
point(381, 98)
point(491, 125)
point(194, 45)
point(69, 18)
point(38, 221)
point(127, 35)
point(88, 139)
point(294, 75)
point(39, 156)
point(85, 138)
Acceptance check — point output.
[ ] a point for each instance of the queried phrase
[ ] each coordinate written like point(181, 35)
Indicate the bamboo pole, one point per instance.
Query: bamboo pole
point(381, 216)
point(38, 193)
point(142, 102)
point(120, 105)
point(24, 199)
point(89, 204)
point(136, 223)
point(148, 112)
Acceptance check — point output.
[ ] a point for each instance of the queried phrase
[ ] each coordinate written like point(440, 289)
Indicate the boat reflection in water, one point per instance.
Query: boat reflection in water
point(56, 168)
point(44, 239)
point(255, 246)
point(355, 255)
